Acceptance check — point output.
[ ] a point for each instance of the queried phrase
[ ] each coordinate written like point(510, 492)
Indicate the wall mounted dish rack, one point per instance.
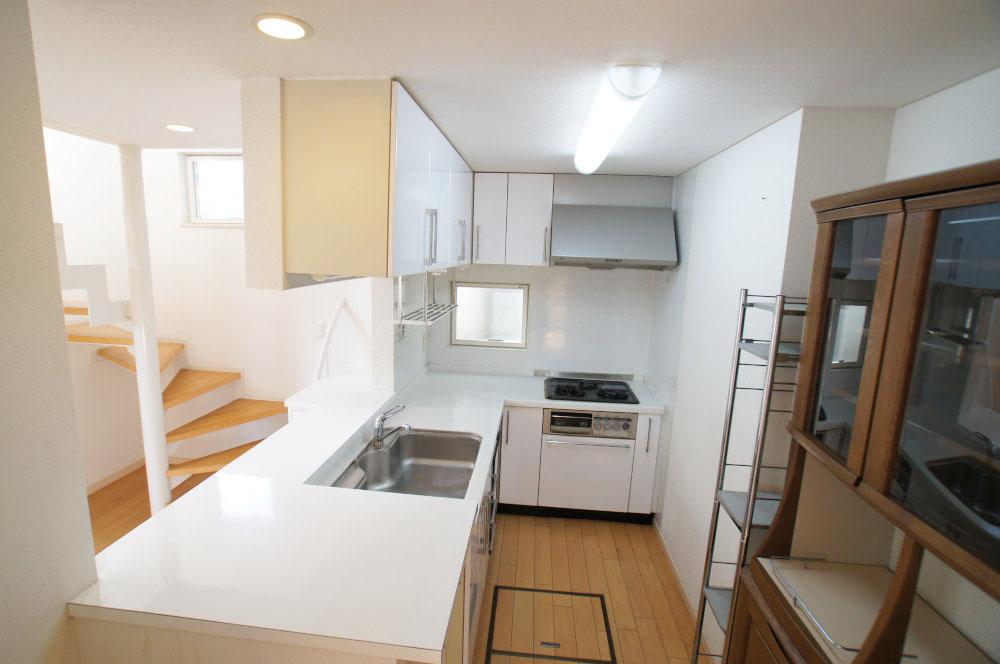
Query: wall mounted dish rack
point(429, 312)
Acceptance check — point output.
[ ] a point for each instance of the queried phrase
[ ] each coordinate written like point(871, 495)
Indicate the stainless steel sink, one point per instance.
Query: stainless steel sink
point(420, 462)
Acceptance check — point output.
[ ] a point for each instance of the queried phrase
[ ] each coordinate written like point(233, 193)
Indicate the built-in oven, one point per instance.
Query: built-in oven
point(589, 423)
point(586, 459)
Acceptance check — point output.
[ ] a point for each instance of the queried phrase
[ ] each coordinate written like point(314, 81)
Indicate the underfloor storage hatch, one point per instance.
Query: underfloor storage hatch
point(531, 625)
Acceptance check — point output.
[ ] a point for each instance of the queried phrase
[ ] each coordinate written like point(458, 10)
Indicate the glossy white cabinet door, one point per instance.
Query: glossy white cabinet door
point(520, 456)
point(461, 209)
point(585, 473)
point(442, 221)
point(489, 238)
point(529, 218)
point(640, 499)
point(411, 142)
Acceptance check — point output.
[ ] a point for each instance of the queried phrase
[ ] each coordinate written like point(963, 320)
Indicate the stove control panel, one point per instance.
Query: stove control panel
point(588, 423)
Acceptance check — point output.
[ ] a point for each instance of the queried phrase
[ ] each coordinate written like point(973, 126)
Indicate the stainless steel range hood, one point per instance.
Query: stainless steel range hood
point(610, 236)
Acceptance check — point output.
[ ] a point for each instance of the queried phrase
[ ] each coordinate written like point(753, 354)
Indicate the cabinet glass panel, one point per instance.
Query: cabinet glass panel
point(949, 459)
point(857, 253)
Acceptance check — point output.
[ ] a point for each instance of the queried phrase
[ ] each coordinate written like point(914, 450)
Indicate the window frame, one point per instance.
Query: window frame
point(523, 345)
point(192, 220)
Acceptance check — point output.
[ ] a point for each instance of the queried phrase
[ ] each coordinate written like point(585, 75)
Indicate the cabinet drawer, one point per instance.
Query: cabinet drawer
point(585, 473)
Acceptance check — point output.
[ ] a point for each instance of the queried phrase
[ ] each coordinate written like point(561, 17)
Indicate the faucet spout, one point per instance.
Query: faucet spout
point(380, 433)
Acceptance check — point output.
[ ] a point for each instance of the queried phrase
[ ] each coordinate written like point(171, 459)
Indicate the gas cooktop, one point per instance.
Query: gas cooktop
point(585, 389)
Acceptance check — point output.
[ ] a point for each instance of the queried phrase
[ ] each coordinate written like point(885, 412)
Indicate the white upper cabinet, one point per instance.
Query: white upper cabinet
point(529, 218)
point(461, 208)
point(489, 234)
point(411, 188)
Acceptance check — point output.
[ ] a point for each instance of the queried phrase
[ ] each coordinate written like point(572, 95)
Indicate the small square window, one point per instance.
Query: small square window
point(494, 315)
point(214, 188)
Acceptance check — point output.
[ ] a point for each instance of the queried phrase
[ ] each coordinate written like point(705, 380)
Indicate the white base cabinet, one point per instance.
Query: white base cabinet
point(647, 445)
point(520, 456)
point(585, 473)
point(577, 472)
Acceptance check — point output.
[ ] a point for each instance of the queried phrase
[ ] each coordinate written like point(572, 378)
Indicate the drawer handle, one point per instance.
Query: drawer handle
point(589, 444)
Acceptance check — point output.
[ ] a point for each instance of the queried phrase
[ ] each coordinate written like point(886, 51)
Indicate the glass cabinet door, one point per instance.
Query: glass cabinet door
point(948, 467)
point(857, 252)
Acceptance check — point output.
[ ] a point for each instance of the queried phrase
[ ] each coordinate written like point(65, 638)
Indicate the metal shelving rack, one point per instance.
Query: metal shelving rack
point(751, 511)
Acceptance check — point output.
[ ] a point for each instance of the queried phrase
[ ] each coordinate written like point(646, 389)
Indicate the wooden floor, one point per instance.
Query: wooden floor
point(122, 505)
point(625, 563)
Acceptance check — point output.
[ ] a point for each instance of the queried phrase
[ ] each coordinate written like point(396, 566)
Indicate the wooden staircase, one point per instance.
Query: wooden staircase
point(185, 387)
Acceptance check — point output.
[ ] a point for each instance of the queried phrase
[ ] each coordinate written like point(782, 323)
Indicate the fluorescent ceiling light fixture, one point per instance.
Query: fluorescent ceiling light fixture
point(280, 26)
point(183, 129)
point(622, 93)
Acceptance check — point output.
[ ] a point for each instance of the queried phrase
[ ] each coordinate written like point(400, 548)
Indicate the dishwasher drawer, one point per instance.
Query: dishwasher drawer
point(581, 472)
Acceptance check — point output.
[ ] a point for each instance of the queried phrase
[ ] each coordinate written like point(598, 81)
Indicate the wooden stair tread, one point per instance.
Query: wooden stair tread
point(100, 334)
point(75, 309)
point(232, 414)
point(210, 462)
point(190, 383)
point(121, 356)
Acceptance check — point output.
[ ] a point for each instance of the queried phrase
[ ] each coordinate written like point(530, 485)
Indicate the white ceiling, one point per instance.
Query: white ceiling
point(510, 81)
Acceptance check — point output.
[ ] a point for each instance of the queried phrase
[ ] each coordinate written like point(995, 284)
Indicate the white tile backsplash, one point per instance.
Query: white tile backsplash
point(578, 320)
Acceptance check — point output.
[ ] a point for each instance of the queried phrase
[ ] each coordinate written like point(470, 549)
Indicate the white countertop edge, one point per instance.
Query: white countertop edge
point(252, 633)
point(425, 412)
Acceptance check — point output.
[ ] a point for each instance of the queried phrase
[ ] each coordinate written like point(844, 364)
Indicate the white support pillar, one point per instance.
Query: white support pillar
point(147, 356)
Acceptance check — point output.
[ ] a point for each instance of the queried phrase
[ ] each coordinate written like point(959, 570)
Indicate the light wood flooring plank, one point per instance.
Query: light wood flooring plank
point(623, 562)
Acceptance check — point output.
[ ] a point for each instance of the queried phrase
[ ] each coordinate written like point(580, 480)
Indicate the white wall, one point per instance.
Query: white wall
point(47, 546)
point(955, 127)
point(86, 197)
point(88, 204)
point(739, 219)
point(201, 299)
point(578, 320)
point(273, 337)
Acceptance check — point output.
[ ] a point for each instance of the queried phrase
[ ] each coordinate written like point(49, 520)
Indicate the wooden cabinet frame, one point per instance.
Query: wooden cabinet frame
point(912, 208)
point(813, 348)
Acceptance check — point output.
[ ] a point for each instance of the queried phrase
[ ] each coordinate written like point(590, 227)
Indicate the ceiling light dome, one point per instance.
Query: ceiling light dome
point(180, 128)
point(620, 96)
point(280, 26)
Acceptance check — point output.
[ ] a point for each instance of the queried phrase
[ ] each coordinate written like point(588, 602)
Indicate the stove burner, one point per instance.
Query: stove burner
point(577, 389)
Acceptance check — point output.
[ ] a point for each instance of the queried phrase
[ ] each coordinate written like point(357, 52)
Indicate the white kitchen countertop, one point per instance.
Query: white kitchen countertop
point(360, 571)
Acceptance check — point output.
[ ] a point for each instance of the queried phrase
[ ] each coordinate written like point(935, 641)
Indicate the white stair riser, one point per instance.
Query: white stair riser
point(223, 439)
point(202, 404)
point(170, 371)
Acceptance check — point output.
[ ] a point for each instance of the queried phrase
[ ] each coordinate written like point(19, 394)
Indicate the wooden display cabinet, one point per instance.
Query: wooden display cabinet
point(898, 397)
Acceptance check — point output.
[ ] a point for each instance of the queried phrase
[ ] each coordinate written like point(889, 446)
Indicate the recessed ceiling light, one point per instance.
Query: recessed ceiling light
point(622, 93)
point(280, 26)
point(183, 129)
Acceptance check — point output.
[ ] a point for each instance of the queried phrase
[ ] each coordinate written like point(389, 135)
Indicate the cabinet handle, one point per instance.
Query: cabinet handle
point(649, 431)
point(475, 241)
point(432, 258)
point(588, 444)
point(462, 225)
point(506, 433)
point(545, 245)
point(429, 225)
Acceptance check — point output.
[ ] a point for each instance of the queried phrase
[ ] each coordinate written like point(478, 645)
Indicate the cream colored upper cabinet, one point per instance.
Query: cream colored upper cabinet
point(336, 152)
point(529, 218)
point(343, 178)
point(489, 227)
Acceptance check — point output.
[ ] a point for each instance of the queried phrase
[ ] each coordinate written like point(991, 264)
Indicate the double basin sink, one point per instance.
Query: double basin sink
point(420, 462)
